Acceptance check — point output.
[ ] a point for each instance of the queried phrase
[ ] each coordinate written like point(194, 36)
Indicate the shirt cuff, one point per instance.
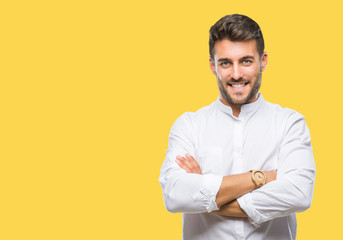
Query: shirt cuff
point(208, 193)
point(245, 202)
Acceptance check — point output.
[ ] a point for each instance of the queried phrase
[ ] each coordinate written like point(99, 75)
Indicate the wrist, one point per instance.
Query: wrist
point(258, 177)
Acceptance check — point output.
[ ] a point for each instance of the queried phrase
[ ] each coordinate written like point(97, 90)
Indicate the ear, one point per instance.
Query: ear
point(212, 66)
point(264, 61)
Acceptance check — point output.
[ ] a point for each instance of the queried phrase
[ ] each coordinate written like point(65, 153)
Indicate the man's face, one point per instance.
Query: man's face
point(238, 68)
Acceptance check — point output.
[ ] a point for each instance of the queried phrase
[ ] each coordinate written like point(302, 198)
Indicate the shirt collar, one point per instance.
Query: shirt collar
point(246, 108)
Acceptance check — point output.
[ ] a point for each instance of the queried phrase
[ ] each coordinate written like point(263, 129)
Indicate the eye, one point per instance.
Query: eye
point(247, 62)
point(224, 64)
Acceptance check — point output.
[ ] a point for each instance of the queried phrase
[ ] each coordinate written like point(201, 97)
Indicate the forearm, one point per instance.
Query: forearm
point(235, 186)
point(274, 204)
point(289, 194)
point(231, 209)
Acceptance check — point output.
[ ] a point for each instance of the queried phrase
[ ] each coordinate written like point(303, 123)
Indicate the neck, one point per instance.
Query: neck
point(236, 108)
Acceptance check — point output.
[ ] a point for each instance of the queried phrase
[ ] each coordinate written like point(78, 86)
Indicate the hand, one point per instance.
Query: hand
point(188, 163)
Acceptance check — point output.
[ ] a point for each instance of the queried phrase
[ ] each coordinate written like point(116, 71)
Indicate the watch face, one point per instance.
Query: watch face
point(259, 176)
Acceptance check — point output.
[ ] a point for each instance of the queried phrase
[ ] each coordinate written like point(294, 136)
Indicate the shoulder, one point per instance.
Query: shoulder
point(189, 119)
point(287, 120)
point(282, 113)
point(199, 114)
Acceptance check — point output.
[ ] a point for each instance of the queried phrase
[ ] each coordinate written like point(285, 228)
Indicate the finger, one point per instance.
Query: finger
point(182, 165)
point(191, 160)
point(184, 161)
point(193, 164)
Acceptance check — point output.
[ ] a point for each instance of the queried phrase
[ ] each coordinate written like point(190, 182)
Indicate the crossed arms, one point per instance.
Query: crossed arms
point(232, 187)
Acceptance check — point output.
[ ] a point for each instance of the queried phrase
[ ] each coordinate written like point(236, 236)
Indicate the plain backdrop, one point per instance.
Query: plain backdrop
point(90, 89)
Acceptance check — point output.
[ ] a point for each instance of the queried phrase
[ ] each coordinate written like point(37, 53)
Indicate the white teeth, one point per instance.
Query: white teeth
point(238, 85)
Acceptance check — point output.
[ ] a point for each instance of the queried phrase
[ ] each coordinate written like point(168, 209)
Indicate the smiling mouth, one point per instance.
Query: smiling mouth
point(238, 86)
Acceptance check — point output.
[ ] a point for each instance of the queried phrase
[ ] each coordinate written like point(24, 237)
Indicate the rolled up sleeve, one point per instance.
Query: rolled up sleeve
point(182, 191)
point(293, 190)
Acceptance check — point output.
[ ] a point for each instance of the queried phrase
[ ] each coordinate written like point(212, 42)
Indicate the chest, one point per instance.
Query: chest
point(234, 146)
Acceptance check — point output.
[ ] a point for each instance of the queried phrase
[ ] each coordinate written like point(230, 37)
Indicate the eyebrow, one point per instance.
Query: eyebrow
point(223, 60)
point(227, 59)
point(247, 57)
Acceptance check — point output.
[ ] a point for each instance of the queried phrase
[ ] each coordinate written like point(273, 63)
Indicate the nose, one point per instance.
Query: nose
point(236, 72)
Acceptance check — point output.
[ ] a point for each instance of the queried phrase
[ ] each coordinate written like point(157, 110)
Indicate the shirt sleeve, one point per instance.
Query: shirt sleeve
point(182, 191)
point(293, 190)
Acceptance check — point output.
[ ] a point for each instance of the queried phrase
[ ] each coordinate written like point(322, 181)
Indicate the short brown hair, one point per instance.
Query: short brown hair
point(236, 27)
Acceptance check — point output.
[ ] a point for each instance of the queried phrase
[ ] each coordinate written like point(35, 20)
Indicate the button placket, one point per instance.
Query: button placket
point(238, 146)
point(238, 165)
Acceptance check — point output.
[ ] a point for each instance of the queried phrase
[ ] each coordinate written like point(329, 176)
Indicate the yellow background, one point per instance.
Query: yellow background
point(90, 89)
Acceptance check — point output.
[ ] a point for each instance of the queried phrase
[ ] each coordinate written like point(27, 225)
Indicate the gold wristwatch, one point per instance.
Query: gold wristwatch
point(258, 177)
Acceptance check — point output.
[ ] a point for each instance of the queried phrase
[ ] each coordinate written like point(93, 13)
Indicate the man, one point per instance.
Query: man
point(241, 167)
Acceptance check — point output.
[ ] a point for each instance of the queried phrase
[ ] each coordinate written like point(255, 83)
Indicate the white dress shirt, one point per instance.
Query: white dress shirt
point(264, 136)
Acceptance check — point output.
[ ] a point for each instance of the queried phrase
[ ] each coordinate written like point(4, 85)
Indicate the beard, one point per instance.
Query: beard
point(253, 92)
